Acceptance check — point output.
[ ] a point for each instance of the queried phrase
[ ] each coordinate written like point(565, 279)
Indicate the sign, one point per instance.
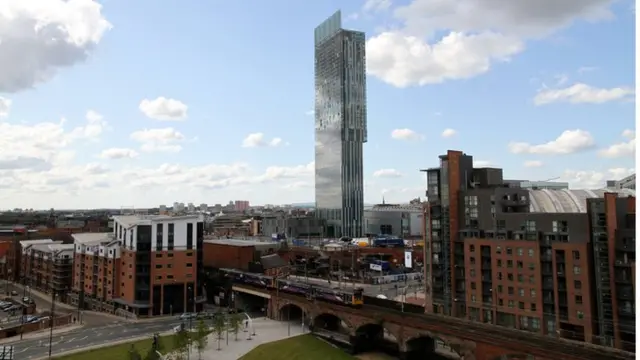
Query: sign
point(375, 267)
point(408, 263)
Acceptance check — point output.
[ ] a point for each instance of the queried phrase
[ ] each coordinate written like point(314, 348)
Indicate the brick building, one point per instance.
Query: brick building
point(235, 253)
point(96, 269)
point(524, 258)
point(47, 266)
point(161, 267)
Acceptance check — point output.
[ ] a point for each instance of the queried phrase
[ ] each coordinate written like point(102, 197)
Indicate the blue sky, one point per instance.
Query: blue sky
point(505, 83)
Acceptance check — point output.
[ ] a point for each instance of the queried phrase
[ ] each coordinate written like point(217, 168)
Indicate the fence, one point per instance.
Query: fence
point(393, 305)
point(391, 279)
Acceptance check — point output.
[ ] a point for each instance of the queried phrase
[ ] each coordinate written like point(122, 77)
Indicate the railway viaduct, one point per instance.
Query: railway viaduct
point(416, 334)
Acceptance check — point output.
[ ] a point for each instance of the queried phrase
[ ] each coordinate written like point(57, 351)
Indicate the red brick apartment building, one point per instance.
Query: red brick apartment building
point(149, 265)
point(556, 262)
point(46, 266)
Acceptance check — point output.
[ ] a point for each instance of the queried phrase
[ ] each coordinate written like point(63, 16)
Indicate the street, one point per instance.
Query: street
point(90, 336)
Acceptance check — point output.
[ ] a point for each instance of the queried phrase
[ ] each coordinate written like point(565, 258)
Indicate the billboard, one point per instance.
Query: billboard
point(408, 261)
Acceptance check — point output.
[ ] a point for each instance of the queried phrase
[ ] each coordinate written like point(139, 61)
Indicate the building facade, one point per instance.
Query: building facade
point(340, 126)
point(404, 221)
point(292, 227)
point(47, 266)
point(538, 260)
point(161, 263)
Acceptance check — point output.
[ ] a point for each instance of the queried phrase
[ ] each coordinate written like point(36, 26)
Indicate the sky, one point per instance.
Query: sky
point(131, 104)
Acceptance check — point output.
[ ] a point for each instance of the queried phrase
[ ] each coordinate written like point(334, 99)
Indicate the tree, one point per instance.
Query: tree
point(181, 342)
point(235, 322)
point(133, 353)
point(219, 327)
point(201, 340)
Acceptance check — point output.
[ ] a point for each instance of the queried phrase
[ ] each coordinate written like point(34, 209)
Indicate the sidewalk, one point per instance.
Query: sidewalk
point(41, 334)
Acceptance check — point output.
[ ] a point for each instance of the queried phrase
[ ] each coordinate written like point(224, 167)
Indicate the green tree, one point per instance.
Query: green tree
point(201, 337)
point(181, 344)
point(152, 355)
point(133, 353)
point(219, 326)
point(235, 322)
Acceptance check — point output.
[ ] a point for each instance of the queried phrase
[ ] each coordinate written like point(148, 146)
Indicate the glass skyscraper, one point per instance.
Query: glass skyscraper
point(340, 126)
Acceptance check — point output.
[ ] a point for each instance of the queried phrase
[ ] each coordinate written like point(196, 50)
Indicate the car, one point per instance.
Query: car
point(14, 293)
point(6, 306)
point(12, 308)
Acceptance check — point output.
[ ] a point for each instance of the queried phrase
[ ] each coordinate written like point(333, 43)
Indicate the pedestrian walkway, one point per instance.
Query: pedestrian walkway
point(266, 331)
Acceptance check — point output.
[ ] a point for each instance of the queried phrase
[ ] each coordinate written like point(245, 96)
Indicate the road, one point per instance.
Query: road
point(90, 336)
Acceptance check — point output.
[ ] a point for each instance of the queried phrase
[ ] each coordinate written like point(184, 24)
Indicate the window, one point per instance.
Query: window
point(189, 236)
point(520, 251)
point(531, 252)
point(509, 263)
point(532, 266)
point(509, 251)
point(578, 300)
point(577, 284)
point(576, 255)
point(499, 276)
point(170, 237)
point(499, 289)
point(472, 248)
point(473, 298)
point(498, 250)
point(520, 278)
point(580, 315)
point(189, 265)
point(159, 236)
point(158, 255)
point(500, 302)
point(472, 273)
point(169, 276)
point(499, 263)
point(473, 286)
point(533, 307)
point(510, 276)
point(159, 266)
point(510, 290)
point(472, 260)
point(520, 264)
point(521, 305)
point(521, 291)
point(511, 303)
point(576, 270)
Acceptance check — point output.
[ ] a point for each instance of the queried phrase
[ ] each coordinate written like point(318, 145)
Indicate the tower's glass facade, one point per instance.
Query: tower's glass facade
point(340, 126)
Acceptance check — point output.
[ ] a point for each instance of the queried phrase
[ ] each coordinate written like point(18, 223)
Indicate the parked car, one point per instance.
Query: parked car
point(14, 293)
point(187, 316)
point(5, 306)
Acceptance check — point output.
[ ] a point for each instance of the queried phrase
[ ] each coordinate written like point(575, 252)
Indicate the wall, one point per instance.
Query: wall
point(227, 256)
point(27, 328)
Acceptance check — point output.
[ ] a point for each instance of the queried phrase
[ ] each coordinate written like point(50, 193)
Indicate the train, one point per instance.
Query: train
point(350, 297)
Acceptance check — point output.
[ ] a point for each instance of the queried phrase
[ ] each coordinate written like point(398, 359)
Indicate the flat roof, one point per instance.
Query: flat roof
point(568, 200)
point(53, 247)
point(88, 238)
point(140, 219)
point(238, 242)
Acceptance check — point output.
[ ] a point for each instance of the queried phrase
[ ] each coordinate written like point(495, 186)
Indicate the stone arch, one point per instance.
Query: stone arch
point(292, 311)
point(378, 328)
point(327, 320)
point(374, 336)
point(426, 342)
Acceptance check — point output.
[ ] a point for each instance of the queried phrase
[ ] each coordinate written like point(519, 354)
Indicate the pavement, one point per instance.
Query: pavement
point(88, 337)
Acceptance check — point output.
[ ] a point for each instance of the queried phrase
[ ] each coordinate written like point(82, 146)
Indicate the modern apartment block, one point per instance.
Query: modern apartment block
point(161, 268)
point(96, 269)
point(340, 126)
point(524, 258)
point(612, 221)
point(46, 266)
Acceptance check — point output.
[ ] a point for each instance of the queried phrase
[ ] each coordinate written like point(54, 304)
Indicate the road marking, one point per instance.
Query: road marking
point(70, 340)
point(23, 350)
point(82, 338)
point(111, 333)
point(99, 334)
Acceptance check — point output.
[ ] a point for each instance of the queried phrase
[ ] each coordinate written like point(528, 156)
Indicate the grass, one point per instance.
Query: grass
point(121, 351)
point(303, 347)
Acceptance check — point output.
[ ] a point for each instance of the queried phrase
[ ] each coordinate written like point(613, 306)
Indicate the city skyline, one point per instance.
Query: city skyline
point(340, 126)
point(124, 110)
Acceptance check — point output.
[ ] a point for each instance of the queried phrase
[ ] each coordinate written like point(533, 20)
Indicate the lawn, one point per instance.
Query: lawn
point(304, 347)
point(121, 351)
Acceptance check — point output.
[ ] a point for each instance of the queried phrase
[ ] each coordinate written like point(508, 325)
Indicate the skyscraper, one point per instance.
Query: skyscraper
point(340, 126)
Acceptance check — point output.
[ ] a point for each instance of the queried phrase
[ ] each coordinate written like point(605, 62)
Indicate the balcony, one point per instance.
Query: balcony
point(547, 285)
point(545, 257)
point(547, 271)
point(622, 263)
point(486, 265)
point(486, 253)
point(548, 300)
point(559, 259)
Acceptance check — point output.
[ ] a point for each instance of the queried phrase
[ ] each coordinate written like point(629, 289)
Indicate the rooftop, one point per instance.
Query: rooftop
point(25, 243)
point(89, 238)
point(139, 219)
point(568, 200)
point(53, 247)
point(235, 242)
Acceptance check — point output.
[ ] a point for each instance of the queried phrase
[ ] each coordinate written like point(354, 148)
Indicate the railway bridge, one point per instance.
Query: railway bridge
point(416, 334)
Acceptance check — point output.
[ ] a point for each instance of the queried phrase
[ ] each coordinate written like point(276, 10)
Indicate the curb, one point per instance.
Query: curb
point(100, 346)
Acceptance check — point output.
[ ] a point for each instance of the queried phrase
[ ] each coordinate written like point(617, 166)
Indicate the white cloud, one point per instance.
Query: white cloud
point(569, 142)
point(591, 179)
point(478, 33)
point(164, 109)
point(258, 140)
point(447, 133)
point(310, 112)
point(5, 106)
point(622, 149)
point(586, 69)
point(387, 173)
point(118, 153)
point(403, 60)
point(533, 163)
point(41, 37)
point(405, 134)
point(376, 5)
point(582, 94)
point(159, 140)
